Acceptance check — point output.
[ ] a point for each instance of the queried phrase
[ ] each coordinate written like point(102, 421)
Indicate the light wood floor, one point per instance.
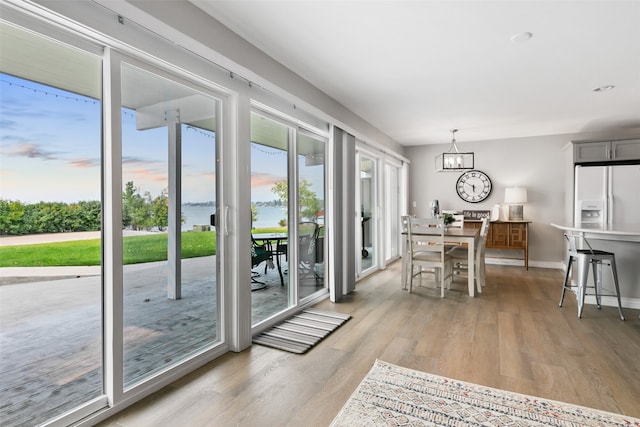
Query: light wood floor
point(513, 336)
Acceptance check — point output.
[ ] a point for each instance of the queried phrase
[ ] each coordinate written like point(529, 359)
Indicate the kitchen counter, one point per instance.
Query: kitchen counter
point(620, 232)
point(624, 241)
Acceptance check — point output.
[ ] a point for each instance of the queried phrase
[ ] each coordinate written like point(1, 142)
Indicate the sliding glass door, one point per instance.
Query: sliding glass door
point(170, 292)
point(51, 301)
point(311, 150)
point(287, 205)
point(271, 290)
point(366, 230)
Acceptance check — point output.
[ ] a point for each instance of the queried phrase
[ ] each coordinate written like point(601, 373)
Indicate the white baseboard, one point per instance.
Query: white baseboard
point(632, 303)
point(520, 263)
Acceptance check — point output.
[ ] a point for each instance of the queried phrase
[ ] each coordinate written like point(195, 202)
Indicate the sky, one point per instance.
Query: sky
point(49, 143)
point(50, 150)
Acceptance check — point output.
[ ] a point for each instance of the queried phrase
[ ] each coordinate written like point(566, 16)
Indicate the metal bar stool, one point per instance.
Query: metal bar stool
point(594, 258)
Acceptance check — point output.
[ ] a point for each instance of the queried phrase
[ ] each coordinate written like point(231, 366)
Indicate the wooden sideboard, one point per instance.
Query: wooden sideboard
point(507, 235)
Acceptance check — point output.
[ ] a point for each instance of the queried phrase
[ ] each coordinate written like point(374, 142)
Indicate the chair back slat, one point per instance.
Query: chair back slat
point(426, 234)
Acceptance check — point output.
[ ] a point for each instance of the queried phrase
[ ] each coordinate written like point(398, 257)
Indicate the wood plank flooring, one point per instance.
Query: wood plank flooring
point(513, 336)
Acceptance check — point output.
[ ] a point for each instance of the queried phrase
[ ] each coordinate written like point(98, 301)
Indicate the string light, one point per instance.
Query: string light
point(258, 147)
point(57, 95)
point(208, 134)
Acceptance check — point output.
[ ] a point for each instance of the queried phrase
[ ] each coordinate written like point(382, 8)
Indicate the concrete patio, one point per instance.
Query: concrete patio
point(51, 328)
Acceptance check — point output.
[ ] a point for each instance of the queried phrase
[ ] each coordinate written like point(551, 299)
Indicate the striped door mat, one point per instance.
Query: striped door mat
point(302, 331)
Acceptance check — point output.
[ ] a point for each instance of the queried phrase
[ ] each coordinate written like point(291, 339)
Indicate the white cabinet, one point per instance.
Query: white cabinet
point(606, 151)
point(628, 149)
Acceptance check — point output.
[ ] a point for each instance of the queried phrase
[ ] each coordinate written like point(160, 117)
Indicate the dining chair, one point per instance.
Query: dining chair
point(259, 254)
point(307, 240)
point(458, 221)
point(308, 235)
point(460, 256)
point(404, 227)
point(426, 248)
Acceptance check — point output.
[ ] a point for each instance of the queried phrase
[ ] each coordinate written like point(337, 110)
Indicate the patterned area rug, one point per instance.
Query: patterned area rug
point(302, 331)
point(394, 396)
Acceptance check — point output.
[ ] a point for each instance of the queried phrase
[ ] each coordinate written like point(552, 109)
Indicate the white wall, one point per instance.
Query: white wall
point(189, 26)
point(541, 164)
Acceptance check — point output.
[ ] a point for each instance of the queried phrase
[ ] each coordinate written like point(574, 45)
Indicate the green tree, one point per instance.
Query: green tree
point(136, 212)
point(140, 212)
point(11, 217)
point(161, 211)
point(90, 213)
point(309, 204)
point(128, 197)
point(17, 218)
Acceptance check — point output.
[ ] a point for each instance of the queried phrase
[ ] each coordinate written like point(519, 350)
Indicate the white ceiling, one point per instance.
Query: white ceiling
point(416, 69)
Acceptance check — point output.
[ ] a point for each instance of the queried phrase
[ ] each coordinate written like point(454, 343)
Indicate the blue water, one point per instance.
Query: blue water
point(197, 215)
point(269, 216)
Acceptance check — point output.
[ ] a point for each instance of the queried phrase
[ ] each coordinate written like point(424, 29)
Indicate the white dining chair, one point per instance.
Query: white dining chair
point(460, 256)
point(426, 248)
point(458, 221)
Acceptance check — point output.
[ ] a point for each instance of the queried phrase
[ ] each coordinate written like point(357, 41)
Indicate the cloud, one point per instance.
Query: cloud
point(36, 151)
point(265, 179)
point(7, 124)
point(84, 163)
point(141, 169)
point(30, 150)
point(143, 174)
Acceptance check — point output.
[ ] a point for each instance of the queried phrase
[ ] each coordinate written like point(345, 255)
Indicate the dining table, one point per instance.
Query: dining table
point(456, 235)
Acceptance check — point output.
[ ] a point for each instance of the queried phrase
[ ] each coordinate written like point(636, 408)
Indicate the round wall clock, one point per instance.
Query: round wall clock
point(473, 186)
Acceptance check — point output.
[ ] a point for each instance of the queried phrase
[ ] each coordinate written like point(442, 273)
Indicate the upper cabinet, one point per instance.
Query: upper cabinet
point(606, 151)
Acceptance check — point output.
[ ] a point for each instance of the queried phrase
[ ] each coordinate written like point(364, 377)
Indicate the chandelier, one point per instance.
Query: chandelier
point(453, 160)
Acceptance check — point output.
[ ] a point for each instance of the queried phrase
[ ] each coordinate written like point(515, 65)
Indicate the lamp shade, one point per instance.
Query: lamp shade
point(515, 195)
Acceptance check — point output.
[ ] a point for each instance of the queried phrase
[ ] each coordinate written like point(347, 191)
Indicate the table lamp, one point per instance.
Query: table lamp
point(515, 197)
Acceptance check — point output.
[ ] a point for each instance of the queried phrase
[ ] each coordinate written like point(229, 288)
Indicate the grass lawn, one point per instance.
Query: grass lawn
point(136, 249)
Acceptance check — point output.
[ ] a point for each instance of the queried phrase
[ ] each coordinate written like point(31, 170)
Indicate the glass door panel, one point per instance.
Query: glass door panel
point(270, 285)
point(171, 302)
point(392, 211)
point(311, 205)
point(50, 219)
point(368, 220)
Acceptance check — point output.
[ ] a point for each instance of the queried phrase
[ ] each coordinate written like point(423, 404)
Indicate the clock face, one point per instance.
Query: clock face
point(473, 186)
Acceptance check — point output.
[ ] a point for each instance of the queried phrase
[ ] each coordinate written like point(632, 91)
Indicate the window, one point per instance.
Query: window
point(50, 160)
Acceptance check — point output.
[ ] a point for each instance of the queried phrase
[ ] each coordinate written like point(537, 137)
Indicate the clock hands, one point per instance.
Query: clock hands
point(473, 187)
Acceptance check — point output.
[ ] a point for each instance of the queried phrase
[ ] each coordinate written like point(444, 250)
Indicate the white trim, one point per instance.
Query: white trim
point(520, 262)
point(162, 379)
point(240, 233)
point(112, 229)
point(72, 416)
point(609, 301)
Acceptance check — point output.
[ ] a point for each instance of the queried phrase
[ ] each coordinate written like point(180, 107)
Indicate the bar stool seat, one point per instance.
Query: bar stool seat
point(596, 259)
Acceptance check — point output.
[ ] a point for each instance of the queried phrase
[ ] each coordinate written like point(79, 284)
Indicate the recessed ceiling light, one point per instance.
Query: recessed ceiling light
point(521, 37)
point(603, 88)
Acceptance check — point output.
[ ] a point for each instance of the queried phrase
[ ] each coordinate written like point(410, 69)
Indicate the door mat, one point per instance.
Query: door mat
point(302, 331)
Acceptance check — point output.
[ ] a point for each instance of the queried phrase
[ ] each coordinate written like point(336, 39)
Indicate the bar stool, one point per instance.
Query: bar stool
point(594, 258)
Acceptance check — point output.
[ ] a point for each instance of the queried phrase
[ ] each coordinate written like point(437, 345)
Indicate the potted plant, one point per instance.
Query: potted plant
point(448, 219)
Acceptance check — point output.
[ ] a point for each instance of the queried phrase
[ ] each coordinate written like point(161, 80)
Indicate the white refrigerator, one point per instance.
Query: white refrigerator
point(611, 195)
point(615, 188)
